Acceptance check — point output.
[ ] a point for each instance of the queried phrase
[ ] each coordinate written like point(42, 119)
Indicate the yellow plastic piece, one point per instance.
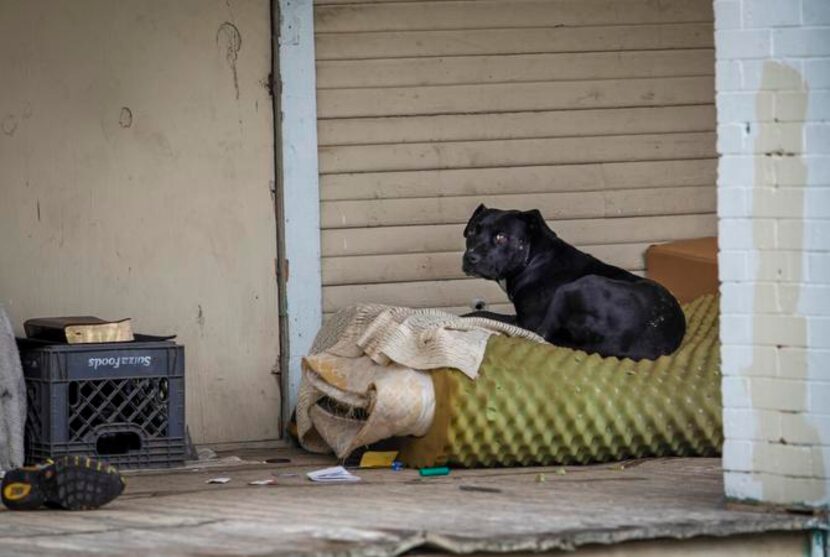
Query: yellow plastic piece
point(378, 459)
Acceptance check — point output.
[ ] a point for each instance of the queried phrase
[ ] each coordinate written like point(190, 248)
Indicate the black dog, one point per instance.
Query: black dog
point(567, 296)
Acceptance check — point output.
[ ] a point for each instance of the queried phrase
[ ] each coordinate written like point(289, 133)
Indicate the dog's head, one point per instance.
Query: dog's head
point(499, 242)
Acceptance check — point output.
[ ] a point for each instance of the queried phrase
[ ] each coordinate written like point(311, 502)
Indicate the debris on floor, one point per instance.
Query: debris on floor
point(218, 481)
point(434, 471)
point(333, 474)
point(270, 481)
point(378, 459)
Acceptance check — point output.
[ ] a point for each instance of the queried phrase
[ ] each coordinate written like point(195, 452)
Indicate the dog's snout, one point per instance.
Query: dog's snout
point(472, 257)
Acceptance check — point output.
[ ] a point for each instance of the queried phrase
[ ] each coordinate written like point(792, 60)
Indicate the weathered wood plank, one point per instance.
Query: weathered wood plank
point(516, 68)
point(176, 513)
point(516, 152)
point(448, 237)
point(516, 125)
point(374, 269)
point(555, 206)
point(528, 179)
point(468, 42)
point(499, 14)
point(414, 294)
point(506, 308)
point(513, 97)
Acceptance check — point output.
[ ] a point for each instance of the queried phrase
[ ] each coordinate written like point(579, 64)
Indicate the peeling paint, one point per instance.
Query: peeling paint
point(229, 39)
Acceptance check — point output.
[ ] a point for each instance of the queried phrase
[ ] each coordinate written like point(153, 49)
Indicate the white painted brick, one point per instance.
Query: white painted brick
point(811, 235)
point(821, 462)
point(802, 106)
point(733, 139)
point(789, 460)
point(768, 138)
point(742, 486)
point(817, 233)
point(769, 75)
point(728, 76)
point(817, 138)
point(817, 70)
point(737, 455)
point(743, 360)
point(727, 14)
point(805, 429)
point(735, 358)
point(746, 171)
point(735, 392)
point(736, 234)
point(818, 367)
point(818, 268)
point(794, 172)
point(781, 137)
point(736, 297)
point(732, 266)
point(816, 12)
point(792, 363)
point(819, 397)
point(778, 266)
point(771, 13)
point(778, 202)
point(807, 299)
point(791, 234)
point(774, 329)
point(817, 203)
point(739, 107)
point(736, 329)
point(774, 233)
point(819, 332)
point(778, 394)
point(807, 491)
point(733, 202)
point(752, 425)
point(790, 170)
point(801, 41)
point(756, 43)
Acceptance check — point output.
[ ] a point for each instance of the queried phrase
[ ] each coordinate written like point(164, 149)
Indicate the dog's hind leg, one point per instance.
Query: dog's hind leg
point(572, 320)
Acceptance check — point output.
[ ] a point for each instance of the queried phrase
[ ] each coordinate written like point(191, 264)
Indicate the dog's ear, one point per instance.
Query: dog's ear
point(475, 214)
point(534, 219)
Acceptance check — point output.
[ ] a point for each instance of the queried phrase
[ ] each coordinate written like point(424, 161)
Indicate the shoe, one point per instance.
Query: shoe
point(69, 482)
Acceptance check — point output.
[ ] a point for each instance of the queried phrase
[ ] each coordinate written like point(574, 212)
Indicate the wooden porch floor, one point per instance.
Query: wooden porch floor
point(176, 513)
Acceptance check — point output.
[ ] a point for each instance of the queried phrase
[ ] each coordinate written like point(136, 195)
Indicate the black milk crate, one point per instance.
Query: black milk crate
point(120, 402)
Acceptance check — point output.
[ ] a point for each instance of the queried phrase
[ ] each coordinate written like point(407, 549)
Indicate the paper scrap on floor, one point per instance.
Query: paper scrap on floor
point(333, 474)
point(270, 481)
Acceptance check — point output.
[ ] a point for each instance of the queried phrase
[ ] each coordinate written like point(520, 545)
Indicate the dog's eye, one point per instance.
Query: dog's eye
point(500, 239)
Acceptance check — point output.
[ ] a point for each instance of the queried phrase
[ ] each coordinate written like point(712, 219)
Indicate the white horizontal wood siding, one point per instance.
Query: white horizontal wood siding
point(600, 113)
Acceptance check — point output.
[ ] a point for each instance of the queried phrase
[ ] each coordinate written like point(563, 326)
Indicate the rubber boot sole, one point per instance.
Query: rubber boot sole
point(70, 482)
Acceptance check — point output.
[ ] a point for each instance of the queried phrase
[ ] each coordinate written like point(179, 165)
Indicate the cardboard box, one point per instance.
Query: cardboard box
point(688, 268)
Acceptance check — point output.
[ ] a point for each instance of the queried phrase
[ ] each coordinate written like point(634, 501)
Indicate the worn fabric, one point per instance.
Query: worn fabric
point(12, 398)
point(367, 376)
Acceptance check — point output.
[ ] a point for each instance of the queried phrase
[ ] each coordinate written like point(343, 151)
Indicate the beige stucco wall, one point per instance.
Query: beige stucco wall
point(136, 161)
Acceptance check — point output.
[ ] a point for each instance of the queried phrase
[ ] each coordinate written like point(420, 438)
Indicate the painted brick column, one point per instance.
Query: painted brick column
point(773, 101)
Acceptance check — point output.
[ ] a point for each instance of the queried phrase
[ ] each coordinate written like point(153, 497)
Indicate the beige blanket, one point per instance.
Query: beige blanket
point(366, 378)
